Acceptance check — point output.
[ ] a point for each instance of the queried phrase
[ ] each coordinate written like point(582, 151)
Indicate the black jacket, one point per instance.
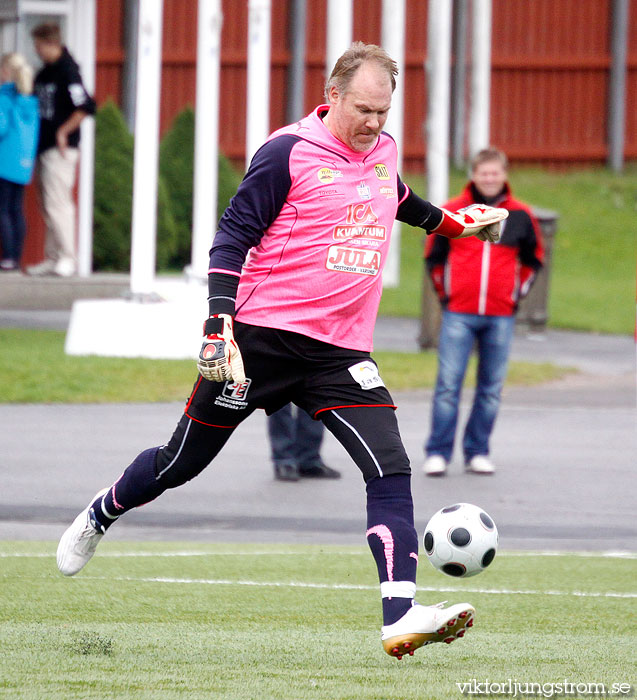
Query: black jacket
point(60, 91)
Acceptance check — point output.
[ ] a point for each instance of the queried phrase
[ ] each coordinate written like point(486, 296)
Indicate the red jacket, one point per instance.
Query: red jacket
point(475, 277)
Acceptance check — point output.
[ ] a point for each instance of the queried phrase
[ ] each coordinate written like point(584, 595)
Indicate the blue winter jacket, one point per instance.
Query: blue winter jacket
point(19, 128)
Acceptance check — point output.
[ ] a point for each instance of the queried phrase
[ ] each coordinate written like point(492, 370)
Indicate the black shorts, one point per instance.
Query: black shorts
point(283, 367)
point(332, 384)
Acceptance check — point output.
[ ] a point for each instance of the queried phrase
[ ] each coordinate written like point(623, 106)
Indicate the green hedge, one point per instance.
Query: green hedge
point(113, 196)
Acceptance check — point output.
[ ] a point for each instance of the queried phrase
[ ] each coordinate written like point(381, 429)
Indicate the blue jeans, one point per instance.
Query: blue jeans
point(294, 438)
point(12, 222)
point(458, 334)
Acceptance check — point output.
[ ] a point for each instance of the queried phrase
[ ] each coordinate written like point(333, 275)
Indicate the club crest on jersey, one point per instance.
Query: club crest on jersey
point(363, 191)
point(359, 261)
point(382, 173)
point(234, 395)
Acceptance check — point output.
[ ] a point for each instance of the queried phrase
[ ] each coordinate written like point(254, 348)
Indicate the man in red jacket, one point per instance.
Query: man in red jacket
point(479, 285)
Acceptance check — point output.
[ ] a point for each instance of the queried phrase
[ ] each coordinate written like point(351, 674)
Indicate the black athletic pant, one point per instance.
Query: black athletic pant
point(368, 433)
point(338, 386)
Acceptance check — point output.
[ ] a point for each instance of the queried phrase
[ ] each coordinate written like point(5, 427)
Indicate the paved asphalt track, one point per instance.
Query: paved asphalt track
point(566, 452)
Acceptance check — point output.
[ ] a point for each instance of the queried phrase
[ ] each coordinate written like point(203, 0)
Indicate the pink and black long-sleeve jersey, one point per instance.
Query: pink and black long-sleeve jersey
point(306, 236)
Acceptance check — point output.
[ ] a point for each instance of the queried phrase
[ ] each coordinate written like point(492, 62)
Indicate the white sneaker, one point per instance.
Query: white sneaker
point(78, 543)
point(43, 268)
point(422, 625)
point(64, 267)
point(435, 465)
point(480, 464)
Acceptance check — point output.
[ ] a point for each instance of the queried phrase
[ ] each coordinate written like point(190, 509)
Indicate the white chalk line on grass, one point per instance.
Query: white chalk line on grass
point(587, 555)
point(349, 586)
point(37, 555)
point(293, 584)
point(287, 552)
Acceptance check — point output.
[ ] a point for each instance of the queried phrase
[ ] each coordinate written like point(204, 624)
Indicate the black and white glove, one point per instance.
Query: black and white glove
point(475, 220)
point(220, 359)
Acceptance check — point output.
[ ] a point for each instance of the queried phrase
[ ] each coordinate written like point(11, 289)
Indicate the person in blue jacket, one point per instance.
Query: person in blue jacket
point(19, 128)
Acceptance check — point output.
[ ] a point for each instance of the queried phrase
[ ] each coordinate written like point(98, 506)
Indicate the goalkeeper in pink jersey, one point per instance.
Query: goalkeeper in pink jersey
point(293, 322)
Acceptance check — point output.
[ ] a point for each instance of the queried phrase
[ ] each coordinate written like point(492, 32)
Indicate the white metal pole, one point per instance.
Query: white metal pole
point(459, 71)
point(144, 224)
point(84, 41)
point(340, 26)
point(258, 102)
point(617, 84)
point(439, 72)
point(393, 41)
point(480, 75)
point(204, 215)
point(129, 68)
point(295, 108)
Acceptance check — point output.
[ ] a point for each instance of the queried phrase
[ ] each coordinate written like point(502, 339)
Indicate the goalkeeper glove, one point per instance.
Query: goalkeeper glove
point(220, 359)
point(475, 220)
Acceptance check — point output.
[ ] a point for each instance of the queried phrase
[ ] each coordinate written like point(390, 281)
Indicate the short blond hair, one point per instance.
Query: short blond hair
point(357, 54)
point(20, 71)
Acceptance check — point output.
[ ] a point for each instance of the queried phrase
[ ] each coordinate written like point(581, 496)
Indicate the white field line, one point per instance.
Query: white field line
point(587, 555)
point(186, 553)
point(287, 552)
point(294, 584)
point(350, 587)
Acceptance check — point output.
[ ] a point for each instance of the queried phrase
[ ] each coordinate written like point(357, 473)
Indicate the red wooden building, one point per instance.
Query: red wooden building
point(549, 84)
point(550, 72)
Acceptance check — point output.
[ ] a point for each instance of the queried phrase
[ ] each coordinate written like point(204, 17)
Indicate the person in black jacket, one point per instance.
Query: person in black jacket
point(64, 103)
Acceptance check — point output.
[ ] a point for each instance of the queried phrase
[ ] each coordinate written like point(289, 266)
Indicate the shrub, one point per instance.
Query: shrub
point(176, 167)
point(229, 181)
point(113, 197)
point(113, 190)
point(176, 155)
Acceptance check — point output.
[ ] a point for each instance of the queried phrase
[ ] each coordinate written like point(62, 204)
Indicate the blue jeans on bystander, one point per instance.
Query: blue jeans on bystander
point(458, 334)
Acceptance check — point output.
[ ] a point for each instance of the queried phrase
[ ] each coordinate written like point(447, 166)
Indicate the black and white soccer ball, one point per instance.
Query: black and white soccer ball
point(461, 540)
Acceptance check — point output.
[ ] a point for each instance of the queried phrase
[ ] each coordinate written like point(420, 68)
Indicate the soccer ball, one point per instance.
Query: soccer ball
point(461, 540)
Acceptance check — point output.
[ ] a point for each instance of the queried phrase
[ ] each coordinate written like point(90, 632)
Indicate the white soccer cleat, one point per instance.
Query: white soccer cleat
point(77, 545)
point(422, 625)
point(480, 464)
point(435, 465)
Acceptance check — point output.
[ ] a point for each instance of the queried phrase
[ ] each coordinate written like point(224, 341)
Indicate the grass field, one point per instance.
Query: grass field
point(165, 621)
point(34, 369)
point(151, 620)
point(592, 277)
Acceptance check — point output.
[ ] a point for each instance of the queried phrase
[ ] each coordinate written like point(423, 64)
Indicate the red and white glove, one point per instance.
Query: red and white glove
point(475, 220)
point(220, 359)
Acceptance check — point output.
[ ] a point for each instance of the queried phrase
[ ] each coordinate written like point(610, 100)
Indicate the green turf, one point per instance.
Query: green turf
point(34, 369)
point(295, 622)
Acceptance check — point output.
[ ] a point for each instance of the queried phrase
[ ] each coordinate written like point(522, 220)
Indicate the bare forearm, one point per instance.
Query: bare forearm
point(72, 123)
